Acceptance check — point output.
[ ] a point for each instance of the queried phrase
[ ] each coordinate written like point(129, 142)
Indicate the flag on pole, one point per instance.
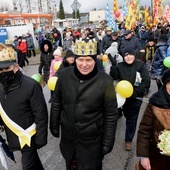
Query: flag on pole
point(125, 9)
point(130, 18)
point(115, 6)
point(110, 22)
point(146, 15)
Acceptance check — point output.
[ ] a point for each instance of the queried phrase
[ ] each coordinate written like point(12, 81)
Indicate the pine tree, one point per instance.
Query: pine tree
point(61, 11)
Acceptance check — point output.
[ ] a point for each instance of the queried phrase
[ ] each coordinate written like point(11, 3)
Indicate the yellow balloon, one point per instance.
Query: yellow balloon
point(52, 83)
point(124, 88)
point(105, 58)
point(57, 65)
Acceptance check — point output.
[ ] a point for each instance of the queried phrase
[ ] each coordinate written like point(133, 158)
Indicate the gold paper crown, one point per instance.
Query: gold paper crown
point(6, 53)
point(84, 48)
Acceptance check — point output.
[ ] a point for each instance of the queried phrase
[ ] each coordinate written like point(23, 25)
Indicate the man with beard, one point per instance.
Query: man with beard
point(23, 111)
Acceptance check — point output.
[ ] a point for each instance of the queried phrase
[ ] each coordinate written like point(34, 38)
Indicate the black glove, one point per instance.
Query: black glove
point(112, 59)
point(40, 72)
point(106, 149)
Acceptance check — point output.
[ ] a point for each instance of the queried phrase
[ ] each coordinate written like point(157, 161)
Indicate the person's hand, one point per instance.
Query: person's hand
point(112, 59)
point(106, 149)
point(145, 162)
point(40, 72)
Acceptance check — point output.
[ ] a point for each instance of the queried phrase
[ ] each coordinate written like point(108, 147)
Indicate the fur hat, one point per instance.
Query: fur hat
point(49, 44)
point(166, 76)
point(128, 50)
point(58, 52)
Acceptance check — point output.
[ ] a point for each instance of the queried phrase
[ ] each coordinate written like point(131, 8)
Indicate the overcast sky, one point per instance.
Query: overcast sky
point(88, 5)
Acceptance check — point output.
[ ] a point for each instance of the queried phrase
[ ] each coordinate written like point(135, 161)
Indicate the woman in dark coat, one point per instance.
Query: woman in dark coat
point(84, 105)
point(156, 118)
point(45, 59)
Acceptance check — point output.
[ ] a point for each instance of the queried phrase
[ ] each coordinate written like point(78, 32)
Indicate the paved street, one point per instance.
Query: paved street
point(118, 159)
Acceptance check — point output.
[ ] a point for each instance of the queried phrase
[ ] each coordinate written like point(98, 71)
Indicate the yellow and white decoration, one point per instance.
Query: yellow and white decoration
point(23, 135)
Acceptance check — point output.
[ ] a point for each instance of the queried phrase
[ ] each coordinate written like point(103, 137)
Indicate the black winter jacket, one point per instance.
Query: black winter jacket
point(86, 110)
point(24, 103)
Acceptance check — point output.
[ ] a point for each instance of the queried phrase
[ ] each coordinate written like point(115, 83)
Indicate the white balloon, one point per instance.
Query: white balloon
point(120, 100)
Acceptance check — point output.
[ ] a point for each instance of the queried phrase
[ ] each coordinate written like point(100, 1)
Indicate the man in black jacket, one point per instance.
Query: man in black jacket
point(23, 110)
point(85, 106)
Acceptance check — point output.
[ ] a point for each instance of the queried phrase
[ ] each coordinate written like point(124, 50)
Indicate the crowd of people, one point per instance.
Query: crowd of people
point(87, 123)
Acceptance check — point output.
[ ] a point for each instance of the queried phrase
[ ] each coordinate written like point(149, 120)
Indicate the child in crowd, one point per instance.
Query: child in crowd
point(57, 59)
point(68, 60)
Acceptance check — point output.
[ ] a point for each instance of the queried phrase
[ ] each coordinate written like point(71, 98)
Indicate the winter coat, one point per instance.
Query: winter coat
point(22, 46)
point(124, 71)
point(104, 43)
point(143, 36)
point(24, 103)
point(52, 70)
point(157, 64)
point(86, 111)
point(132, 42)
point(30, 43)
point(45, 60)
point(154, 120)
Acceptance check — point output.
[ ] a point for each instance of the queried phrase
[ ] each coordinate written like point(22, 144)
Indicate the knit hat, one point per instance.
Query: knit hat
point(163, 38)
point(166, 76)
point(128, 50)
point(112, 49)
point(57, 52)
point(150, 38)
point(69, 53)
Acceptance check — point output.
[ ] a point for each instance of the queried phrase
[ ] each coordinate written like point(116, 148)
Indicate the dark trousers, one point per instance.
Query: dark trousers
point(73, 165)
point(131, 110)
point(30, 160)
point(29, 53)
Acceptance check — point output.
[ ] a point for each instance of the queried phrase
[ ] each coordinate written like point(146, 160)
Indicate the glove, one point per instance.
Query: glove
point(40, 72)
point(106, 149)
point(112, 60)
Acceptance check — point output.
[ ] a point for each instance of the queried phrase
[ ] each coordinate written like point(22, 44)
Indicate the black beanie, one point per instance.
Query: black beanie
point(94, 57)
point(151, 38)
point(69, 53)
point(128, 50)
point(166, 76)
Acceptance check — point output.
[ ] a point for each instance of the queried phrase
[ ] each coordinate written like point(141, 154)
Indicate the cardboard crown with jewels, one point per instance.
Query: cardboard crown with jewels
point(84, 48)
point(7, 56)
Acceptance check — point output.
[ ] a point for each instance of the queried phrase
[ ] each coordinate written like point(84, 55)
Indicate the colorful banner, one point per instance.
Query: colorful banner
point(110, 22)
point(130, 18)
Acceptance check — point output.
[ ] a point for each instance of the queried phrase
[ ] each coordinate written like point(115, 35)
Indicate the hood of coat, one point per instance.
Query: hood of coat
point(161, 98)
point(49, 45)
